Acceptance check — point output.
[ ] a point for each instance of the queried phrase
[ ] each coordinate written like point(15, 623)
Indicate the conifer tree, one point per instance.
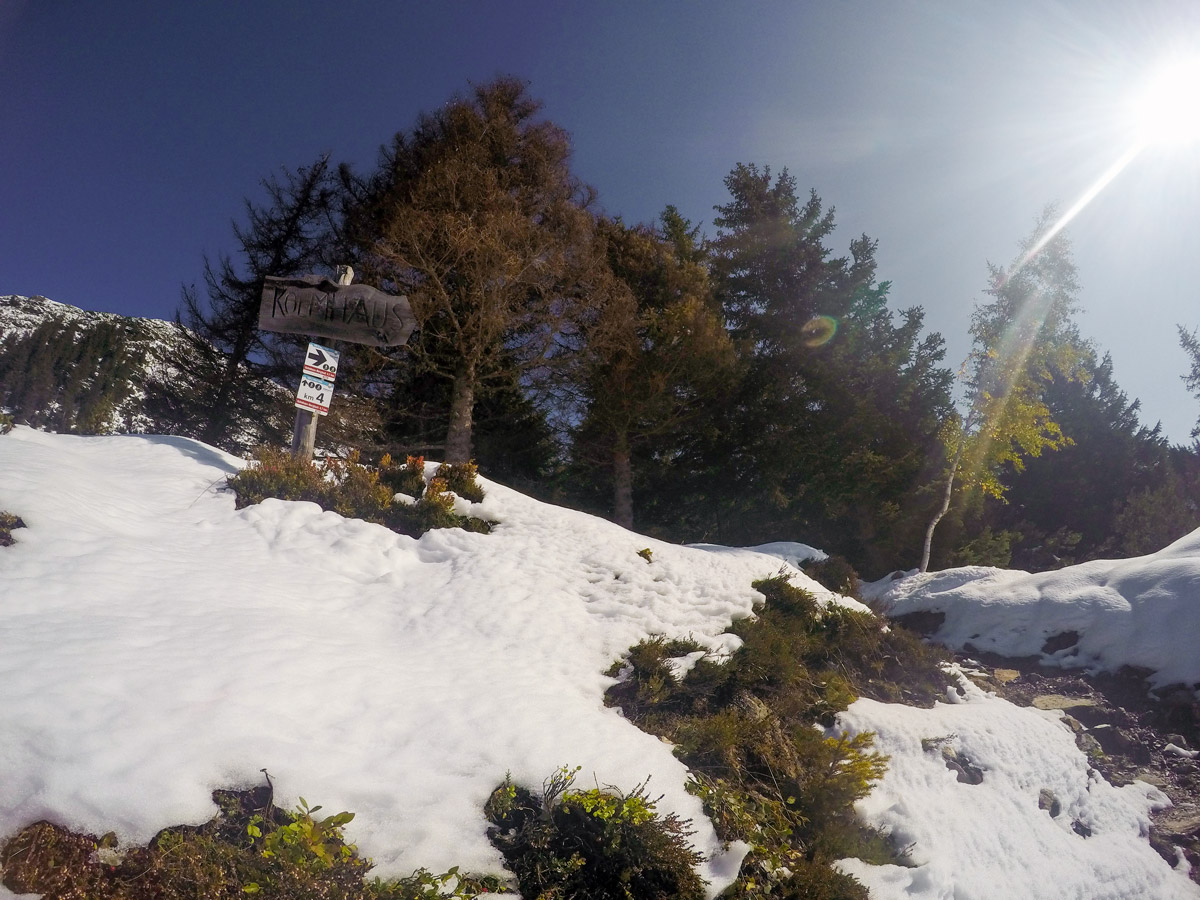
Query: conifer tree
point(1191, 345)
point(475, 216)
point(827, 433)
point(655, 352)
point(1022, 337)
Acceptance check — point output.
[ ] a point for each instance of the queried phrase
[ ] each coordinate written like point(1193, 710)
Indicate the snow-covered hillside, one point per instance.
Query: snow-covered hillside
point(21, 315)
point(1103, 614)
point(149, 343)
point(156, 643)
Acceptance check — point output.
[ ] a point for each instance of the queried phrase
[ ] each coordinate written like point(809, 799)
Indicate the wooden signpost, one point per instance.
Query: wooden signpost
point(312, 305)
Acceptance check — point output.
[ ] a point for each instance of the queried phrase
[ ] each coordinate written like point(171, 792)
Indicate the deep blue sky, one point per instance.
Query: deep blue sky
point(131, 131)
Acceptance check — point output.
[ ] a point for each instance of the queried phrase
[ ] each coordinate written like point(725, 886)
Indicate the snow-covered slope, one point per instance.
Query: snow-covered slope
point(1142, 612)
point(156, 643)
point(150, 342)
point(21, 315)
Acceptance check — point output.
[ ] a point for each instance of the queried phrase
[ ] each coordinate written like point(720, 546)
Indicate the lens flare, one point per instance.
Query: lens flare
point(819, 330)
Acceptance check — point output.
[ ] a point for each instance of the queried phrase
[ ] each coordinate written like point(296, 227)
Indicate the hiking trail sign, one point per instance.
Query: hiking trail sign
point(314, 305)
point(316, 382)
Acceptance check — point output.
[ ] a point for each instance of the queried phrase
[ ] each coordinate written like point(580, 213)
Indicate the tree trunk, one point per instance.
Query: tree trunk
point(622, 483)
point(945, 505)
point(462, 406)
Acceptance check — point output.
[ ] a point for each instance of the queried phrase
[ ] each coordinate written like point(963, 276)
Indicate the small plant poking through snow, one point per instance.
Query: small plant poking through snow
point(355, 490)
point(250, 848)
point(6, 423)
point(598, 843)
point(8, 524)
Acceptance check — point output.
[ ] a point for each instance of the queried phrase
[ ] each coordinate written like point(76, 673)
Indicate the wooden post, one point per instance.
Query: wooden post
point(304, 431)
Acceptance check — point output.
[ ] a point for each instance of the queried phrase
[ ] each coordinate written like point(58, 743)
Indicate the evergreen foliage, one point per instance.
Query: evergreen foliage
point(66, 377)
point(829, 429)
point(653, 357)
point(1191, 345)
point(251, 848)
point(354, 490)
point(745, 729)
point(1115, 490)
point(601, 844)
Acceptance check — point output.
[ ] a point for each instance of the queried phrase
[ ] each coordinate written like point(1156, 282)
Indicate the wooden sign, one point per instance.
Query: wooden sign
point(310, 304)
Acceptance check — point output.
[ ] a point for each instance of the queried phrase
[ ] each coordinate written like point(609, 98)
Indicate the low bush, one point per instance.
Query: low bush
point(408, 478)
point(8, 524)
point(598, 844)
point(6, 423)
point(354, 490)
point(461, 478)
point(753, 732)
point(836, 573)
point(249, 849)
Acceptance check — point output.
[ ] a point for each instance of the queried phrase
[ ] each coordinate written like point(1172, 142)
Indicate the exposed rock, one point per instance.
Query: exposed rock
point(1126, 731)
point(1059, 701)
point(1059, 642)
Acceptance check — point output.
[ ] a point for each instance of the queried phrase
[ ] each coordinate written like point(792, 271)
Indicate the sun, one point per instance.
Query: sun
point(1165, 110)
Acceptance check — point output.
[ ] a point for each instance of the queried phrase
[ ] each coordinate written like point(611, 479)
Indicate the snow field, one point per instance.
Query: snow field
point(155, 643)
point(992, 841)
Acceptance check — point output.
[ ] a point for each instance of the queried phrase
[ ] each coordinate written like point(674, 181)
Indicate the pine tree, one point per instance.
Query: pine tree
point(1191, 345)
point(1023, 337)
point(827, 434)
point(1062, 507)
point(655, 352)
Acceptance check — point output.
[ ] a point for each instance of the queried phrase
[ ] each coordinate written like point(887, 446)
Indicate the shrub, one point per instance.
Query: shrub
point(9, 523)
point(354, 490)
point(597, 844)
point(6, 423)
point(765, 774)
point(249, 849)
point(835, 573)
point(461, 478)
point(278, 474)
point(406, 479)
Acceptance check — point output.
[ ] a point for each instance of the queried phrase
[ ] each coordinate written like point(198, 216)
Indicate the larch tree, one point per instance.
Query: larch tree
point(475, 216)
point(1023, 337)
point(217, 394)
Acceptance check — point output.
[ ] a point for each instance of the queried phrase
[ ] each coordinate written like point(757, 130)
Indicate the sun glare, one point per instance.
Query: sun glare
point(1166, 110)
